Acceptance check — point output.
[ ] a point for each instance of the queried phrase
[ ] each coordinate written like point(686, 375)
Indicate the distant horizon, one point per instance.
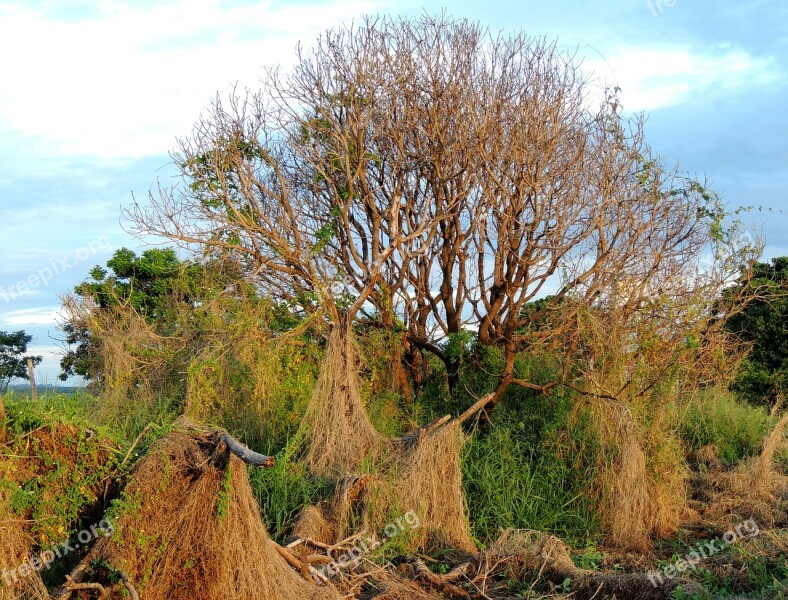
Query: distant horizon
point(47, 386)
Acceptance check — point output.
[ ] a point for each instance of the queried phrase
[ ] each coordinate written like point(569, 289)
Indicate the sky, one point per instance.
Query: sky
point(95, 94)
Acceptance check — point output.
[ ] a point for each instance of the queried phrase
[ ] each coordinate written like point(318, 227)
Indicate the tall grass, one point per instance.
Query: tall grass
point(283, 490)
point(717, 417)
point(511, 484)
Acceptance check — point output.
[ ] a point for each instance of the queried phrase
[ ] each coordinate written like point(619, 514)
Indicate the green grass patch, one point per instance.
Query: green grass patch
point(283, 490)
point(735, 427)
point(508, 483)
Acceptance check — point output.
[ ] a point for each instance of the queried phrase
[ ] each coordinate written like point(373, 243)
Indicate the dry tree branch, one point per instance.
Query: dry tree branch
point(250, 457)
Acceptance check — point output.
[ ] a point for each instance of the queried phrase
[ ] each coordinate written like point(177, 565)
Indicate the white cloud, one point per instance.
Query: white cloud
point(31, 316)
point(127, 81)
point(47, 352)
point(652, 78)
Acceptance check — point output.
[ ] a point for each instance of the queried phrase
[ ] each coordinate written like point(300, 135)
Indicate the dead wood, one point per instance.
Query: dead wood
point(250, 457)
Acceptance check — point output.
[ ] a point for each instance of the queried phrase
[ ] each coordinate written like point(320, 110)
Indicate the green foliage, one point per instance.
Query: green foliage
point(225, 493)
point(13, 362)
point(509, 484)
point(78, 409)
point(764, 323)
point(591, 558)
point(735, 427)
point(256, 388)
point(156, 285)
point(762, 578)
point(68, 460)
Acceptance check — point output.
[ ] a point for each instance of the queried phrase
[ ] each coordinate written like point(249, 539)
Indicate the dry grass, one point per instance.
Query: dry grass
point(419, 473)
point(429, 481)
point(137, 365)
point(640, 482)
point(422, 475)
point(338, 431)
point(16, 548)
point(760, 477)
point(190, 528)
point(520, 552)
point(396, 588)
point(754, 490)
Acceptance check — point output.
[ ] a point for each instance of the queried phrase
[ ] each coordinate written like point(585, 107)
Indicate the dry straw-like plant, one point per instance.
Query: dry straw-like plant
point(336, 423)
point(189, 527)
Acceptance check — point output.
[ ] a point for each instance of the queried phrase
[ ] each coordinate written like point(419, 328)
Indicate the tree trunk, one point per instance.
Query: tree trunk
point(399, 377)
point(504, 381)
point(452, 375)
point(414, 363)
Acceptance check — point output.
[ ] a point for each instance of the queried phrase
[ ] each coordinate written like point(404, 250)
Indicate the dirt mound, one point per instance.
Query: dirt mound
point(188, 527)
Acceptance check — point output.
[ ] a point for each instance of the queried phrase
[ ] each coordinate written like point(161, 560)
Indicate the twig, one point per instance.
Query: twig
point(73, 586)
point(136, 441)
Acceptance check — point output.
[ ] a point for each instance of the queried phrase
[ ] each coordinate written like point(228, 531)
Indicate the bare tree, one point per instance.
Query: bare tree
point(431, 172)
point(312, 185)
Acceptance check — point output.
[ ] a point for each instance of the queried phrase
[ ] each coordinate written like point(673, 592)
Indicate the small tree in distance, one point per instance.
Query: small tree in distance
point(13, 359)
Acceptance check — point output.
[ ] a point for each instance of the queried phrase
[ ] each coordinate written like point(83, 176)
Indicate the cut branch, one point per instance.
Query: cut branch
point(250, 457)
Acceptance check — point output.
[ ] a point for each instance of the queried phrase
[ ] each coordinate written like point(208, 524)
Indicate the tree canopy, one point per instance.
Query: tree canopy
point(427, 171)
point(147, 284)
point(764, 324)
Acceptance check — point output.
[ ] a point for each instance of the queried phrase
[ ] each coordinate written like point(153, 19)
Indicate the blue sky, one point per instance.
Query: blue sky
point(95, 93)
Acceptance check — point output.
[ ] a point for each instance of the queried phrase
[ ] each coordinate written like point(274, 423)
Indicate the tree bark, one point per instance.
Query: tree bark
point(250, 457)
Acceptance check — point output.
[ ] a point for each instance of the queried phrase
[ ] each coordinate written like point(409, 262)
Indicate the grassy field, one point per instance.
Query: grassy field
point(63, 471)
